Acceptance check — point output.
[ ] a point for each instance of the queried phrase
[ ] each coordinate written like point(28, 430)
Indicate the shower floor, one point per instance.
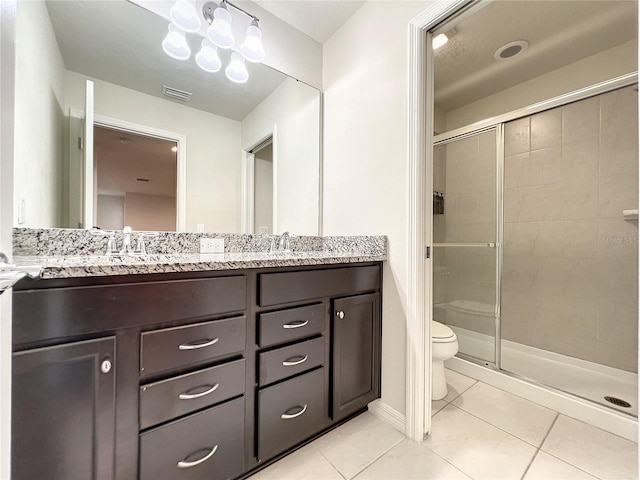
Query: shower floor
point(578, 377)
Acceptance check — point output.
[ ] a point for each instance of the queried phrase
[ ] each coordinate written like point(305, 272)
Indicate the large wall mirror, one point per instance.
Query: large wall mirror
point(230, 158)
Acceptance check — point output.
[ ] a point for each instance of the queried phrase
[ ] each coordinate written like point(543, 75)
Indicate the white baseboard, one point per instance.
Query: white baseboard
point(389, 415)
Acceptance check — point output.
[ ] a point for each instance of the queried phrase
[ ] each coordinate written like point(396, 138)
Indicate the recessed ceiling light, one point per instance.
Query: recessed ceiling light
point(439, 40)
point(174, 149)
point(511, 49)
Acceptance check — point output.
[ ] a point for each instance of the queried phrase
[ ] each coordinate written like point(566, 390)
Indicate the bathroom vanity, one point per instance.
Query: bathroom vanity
point(204, 374)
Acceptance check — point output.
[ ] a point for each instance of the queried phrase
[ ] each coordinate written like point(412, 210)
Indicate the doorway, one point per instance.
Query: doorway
point(135, 179)
point(263, 189)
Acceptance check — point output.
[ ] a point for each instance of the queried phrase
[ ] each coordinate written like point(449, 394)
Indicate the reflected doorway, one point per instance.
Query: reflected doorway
point(263, 189)
point(135, 180)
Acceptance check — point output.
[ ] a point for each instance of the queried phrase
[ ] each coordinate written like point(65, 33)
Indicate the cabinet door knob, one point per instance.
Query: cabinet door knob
point(105, 366)
point(340, 314)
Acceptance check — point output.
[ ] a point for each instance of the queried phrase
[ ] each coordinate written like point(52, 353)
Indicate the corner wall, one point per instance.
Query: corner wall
point(39, 136)
point(366, 182)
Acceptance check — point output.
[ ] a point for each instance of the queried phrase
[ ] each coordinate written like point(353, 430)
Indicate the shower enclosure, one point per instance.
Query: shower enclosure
point(535, 258)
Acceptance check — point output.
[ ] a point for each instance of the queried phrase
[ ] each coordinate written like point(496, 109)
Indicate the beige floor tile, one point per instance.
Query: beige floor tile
point(524, 419)
point(307, 463)
point(479, 449)
point(546, 467)
point(437, 405)
point(353, 446)
point(411, 461)
point(595, 451)
point(456, 384)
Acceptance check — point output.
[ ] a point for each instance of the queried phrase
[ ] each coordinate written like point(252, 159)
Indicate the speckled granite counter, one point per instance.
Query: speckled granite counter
point(77, 253)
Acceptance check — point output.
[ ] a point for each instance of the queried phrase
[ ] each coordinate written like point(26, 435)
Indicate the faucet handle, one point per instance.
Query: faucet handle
point(111, 242)
point(141, 248)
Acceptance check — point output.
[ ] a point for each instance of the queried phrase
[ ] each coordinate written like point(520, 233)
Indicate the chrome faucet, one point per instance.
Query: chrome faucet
point(127, 249)
point(284, 244)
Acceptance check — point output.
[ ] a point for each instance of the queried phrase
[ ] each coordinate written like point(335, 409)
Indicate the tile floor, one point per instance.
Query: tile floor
point(478, 432)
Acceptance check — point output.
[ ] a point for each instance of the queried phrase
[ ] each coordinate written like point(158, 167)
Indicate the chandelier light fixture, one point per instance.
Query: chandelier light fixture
point(186, 19)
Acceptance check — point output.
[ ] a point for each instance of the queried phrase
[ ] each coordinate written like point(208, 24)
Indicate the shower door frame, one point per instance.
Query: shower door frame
point(498, 123)
point(444, 139)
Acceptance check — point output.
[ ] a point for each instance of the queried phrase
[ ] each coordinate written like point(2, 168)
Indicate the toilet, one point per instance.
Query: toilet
point(444, 345)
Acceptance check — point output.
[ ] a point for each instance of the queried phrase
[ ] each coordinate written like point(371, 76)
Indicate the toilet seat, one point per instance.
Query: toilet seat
point(440, 333)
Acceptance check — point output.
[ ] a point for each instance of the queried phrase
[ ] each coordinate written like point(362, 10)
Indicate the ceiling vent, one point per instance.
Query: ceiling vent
point(510, 50)
point(175, 93)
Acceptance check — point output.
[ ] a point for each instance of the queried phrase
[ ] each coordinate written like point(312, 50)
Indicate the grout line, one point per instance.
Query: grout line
point(501, 429)
point(539, 449)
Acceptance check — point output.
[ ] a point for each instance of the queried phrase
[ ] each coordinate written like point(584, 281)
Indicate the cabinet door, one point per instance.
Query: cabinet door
point(356, 353)
point(63, 416)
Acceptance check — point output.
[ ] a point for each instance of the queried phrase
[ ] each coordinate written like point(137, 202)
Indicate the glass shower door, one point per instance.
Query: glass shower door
point(465, 241)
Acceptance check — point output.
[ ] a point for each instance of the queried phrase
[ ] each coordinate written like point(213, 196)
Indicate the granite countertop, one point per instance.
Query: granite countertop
point(94, 266)
point(68, 253)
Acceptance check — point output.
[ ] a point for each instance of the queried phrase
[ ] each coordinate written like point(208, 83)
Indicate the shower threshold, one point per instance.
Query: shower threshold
point(588, 380)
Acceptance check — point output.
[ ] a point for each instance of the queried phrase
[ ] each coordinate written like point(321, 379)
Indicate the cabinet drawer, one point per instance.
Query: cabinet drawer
point(71, 311)
point(288, 361)
point(287, 325)
point(169, 348)
point(276, 288)
point(209, 444)
point(290, 412)
point(168, 399)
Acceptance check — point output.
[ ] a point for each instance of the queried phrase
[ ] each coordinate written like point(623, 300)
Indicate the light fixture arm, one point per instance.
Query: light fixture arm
point(209, 7)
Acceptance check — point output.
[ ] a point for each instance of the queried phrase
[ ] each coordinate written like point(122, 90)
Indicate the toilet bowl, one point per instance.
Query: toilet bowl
point(444, 345)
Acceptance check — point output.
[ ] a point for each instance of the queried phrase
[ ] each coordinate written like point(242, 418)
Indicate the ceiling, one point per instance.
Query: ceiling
point(120, 42)
point(319, 19)
point(124, 157)
point(559, 32)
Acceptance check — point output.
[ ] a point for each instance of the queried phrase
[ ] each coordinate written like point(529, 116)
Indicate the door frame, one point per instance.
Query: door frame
point(7, 111)
point(149, 131)
point(420, 181)
point(247, 188)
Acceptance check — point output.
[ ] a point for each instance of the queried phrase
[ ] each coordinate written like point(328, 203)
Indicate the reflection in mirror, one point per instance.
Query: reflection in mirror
point(117, 44)
point(136, 178)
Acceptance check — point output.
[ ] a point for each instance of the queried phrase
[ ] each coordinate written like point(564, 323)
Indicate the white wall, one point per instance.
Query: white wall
point(603, 66)
point(110, 212)
point(213, 147)
point(39, 117)
point(365, 159)
point(293, 109)
point(150, 212)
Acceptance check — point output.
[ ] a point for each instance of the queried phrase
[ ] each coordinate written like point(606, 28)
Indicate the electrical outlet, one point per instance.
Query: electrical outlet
point(212, 245)
point(200, 227)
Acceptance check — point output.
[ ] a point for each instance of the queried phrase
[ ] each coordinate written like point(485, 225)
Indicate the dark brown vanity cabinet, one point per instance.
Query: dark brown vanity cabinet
point(63, 411)
point(356, 353)
point(202, 375)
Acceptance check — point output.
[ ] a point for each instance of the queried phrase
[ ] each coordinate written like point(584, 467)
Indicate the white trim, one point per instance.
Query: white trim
point(387, 414)
point(274, 208)
point(560, 100)
point(573, 407)
point(7, 116)
point(420, 123)
point(88, 192)
point(247, 191)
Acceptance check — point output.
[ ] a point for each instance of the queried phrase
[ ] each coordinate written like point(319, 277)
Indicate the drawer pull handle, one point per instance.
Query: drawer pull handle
point(190, 396)
point(286, 416)
point(195, 346)
point(184, 464)
point(296, 324)
point(289, 362)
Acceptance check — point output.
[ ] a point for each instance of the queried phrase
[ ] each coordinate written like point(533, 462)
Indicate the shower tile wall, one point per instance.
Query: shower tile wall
point(570, 258)
point(465, 171)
